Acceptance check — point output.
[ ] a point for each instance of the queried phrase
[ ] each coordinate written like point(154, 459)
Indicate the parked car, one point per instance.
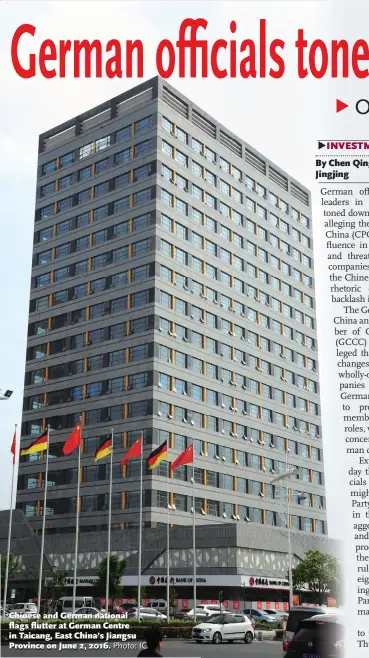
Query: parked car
point(146, 613)
point(90, 612)
point(260, 615)
point(181, 614)
point(158, 604)
point(298, 614)
point(224, 627)
point(23, 609)
point(278, 615)
point(66, 603)
point(320, 635)
point(203, 611)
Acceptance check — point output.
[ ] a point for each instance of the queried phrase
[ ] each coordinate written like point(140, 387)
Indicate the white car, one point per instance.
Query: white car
point(146, 613)
point(23, 610)
point(224, 627)
point(203, 611)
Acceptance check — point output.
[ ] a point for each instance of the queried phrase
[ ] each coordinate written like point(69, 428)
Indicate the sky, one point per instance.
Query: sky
point(281, 118)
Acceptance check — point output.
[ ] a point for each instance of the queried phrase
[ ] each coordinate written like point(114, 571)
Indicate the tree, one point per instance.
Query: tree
point(55, 585)
point(321, 571)
point(172, 598)
point(116, 571)
point(144, 593)
point(14, 564)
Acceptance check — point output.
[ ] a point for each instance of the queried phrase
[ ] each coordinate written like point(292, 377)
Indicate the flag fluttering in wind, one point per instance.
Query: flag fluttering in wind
point(186, 457)
point(104, 450)
point(37, 446)
point(73, 441)
point(13, 447)
point(134, 451)
point(158, 455)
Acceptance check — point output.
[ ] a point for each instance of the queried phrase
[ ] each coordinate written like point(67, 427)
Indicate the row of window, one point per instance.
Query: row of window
point(59, 423)
point(228, 257)
point(210, 155)
point(98, 190)
point(98, 473)
point(182, 503)
point(97, 145)
point(63, 205)
point(202, 394)
point(209, 294)
point(90, 364)
point(225, 210)
point(99, 167)
point(231, 304)
point(228, 190)
point(112, 386)
point(229, 428)
point(118, 305)
point(276, 263)
point(180, 307)
point(141, 273)
point(228, 326)
point(138, 223)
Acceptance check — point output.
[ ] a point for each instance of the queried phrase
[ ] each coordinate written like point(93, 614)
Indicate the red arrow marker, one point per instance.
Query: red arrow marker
point(340, 105)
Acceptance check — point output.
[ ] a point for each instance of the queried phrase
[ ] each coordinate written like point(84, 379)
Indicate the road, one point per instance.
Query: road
point(170, 649)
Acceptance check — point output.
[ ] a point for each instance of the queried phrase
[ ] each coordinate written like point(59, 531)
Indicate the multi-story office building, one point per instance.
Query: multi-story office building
point(172, 293)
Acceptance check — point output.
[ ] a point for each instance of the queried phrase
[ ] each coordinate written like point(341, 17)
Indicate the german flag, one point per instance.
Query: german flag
point(158, 455)
point(104, 450)
point(37, 446)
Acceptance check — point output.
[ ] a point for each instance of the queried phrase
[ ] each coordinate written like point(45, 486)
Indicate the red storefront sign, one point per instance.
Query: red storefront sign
point(176, 603)
point(185, 604)
point(259, 605)
point(296, 599)
point(276, 605)
point(203, 602)
point(236, 605)
point(214, 602)
point(285, 606)
point(268, 605)
point(225, 603)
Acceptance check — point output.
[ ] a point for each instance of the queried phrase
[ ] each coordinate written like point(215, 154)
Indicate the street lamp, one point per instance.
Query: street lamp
point(279, 478)
point(5, 394)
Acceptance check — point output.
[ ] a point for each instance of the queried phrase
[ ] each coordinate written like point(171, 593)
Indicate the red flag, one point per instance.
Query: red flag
point(134, 451)
point(73, 441)
point(186, 457)
point(14, 446)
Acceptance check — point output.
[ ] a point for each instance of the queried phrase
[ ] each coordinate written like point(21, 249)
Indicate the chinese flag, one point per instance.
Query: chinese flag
point(134, 451)
point(73, 441)
point(14, 446)
point(186, 457)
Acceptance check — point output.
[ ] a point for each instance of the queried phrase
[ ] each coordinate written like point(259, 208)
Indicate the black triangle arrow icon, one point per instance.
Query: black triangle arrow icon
point(321, 145)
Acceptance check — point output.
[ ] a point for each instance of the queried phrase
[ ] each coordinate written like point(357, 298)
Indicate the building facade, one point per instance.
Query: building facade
point(172, 294)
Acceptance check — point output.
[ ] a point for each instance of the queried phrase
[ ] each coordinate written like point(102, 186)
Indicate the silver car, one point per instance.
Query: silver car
point(146, 613)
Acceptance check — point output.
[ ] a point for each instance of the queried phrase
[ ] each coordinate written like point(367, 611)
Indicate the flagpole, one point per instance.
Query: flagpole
point(194, 534)
point(9, 533)
point(77, 527)
point(43, 523)
point(168, 500)
point(109, 524)
point(140, 541)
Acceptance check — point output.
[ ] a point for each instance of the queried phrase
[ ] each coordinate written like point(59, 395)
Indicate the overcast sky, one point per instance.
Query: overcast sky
point(283, 119)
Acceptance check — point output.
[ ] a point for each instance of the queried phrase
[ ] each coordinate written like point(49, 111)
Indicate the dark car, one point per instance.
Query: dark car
point(298, 614)
point(180, 614)
point(321, 636)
